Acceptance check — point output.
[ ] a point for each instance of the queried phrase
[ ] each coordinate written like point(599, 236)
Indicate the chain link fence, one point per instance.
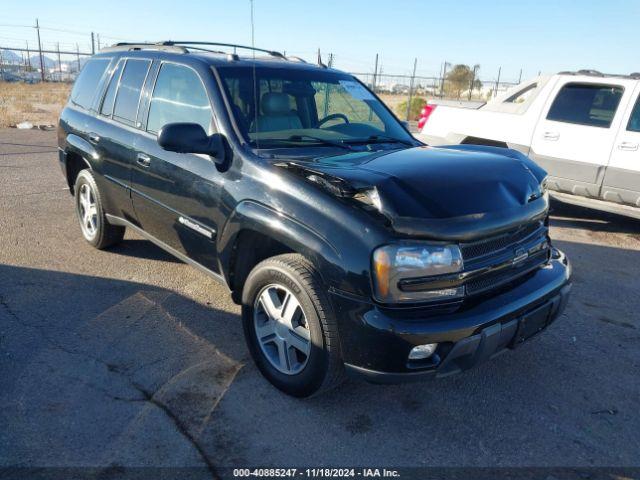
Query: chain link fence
point(33, 66)
point(406, 94)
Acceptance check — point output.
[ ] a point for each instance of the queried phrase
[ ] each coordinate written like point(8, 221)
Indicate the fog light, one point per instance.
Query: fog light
point(422, 351)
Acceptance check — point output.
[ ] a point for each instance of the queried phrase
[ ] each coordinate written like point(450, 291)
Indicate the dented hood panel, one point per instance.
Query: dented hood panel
point(446, 192)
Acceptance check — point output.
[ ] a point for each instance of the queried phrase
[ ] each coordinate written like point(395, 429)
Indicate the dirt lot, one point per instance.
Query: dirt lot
point(128, 357)
point(39, 103)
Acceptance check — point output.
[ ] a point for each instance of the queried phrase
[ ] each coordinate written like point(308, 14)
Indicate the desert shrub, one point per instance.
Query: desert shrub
point(414, 111)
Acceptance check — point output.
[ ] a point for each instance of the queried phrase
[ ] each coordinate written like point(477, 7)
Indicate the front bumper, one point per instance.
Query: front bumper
point(376, 341)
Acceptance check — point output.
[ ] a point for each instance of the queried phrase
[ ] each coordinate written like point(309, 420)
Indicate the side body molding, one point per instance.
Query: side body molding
point(250, 215)
point(83, 148)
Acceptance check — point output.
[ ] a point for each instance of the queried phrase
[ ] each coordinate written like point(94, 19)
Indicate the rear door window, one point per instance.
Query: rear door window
point(87, 82)
point(586, 104)
point(125, 109)
point(178, 96)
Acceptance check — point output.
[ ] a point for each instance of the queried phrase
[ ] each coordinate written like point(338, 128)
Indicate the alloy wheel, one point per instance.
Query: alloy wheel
point(88, 211)
point(281, 329)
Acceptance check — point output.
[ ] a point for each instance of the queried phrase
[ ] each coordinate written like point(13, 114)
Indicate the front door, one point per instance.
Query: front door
point(176, 195)
point(622, 177)
point(573, 139)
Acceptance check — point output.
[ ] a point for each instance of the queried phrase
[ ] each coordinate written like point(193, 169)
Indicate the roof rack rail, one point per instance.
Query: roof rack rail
point(596, 73)
point(186, 44)
point(125, 46)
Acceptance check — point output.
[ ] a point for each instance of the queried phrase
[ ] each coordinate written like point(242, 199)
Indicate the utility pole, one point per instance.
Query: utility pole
point(98, 41)
point(520, 77)
point(473, 80)
point(28, 56)
point(59, 62)
point(78, 56)
point(498, 82)
point(444, 75)
point(413, 77)
point(40, 51)
point(93, 44)
point(375, 75)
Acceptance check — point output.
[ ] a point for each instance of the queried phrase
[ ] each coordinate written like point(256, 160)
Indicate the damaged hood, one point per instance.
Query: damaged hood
point(449, 193)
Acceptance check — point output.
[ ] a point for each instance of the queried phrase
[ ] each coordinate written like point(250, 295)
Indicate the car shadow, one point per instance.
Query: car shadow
point(141, 248)
point(568, 215)
point(89, 366)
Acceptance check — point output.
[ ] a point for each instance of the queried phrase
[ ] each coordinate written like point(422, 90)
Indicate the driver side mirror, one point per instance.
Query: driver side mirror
point(191, 138)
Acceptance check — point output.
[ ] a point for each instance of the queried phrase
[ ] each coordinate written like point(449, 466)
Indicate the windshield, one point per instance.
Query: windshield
point(287, 107)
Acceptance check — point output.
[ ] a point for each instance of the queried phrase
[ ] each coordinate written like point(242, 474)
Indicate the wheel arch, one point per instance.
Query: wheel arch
point(78, 155)
point(255, 232)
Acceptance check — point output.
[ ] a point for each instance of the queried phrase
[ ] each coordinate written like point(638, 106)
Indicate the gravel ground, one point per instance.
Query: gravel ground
point(129, 357)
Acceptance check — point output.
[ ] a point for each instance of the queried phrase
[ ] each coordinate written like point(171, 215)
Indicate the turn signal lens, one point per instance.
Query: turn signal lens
point(382, 267)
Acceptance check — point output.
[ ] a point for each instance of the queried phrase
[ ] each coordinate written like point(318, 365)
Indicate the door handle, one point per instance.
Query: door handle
point(94, 137)
point(553, 136)
point(143, 160)
point(628, 146)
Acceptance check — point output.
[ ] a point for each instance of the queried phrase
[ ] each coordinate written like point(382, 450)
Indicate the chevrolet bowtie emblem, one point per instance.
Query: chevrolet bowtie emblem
point(520, 256)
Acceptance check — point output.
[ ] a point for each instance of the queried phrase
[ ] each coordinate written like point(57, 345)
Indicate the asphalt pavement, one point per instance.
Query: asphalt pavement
point(129, 357)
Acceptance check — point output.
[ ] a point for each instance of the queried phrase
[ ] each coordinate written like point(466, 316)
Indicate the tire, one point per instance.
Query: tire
point(94, 227)
point(322, 369)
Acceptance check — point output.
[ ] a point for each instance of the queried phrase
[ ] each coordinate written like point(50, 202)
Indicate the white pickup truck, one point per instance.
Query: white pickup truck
point(582, 127)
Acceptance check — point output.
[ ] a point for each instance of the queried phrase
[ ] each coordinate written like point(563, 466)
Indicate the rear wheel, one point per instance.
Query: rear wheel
point(89, 210)
point(289, 327)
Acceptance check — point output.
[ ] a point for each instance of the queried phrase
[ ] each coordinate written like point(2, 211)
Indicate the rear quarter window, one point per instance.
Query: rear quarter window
point(86, 84)
point(586, 104)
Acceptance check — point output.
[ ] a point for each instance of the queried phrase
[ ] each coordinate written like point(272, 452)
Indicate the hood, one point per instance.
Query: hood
point(445, 192)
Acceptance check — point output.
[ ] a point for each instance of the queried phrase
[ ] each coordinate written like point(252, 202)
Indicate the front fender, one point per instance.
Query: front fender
point(250, 215)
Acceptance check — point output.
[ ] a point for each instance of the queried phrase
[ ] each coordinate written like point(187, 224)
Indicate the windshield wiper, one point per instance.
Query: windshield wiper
point(300, 139)
point(324, 141)
point(381, 139)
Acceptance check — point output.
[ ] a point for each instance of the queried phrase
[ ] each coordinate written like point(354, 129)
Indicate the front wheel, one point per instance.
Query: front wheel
point(289, 326)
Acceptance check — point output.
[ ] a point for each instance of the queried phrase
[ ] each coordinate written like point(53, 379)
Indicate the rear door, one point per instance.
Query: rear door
point(573, 139)
point(622, 177)
point(114, 129)
point(175, 195)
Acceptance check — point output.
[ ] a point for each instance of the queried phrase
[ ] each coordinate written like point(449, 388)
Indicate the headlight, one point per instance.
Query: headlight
point(393, 265)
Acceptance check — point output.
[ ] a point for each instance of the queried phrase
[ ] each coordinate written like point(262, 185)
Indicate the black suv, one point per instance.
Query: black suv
point(351, 246)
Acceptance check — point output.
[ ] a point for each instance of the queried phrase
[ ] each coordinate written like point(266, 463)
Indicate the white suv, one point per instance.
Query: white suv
point(583, 128)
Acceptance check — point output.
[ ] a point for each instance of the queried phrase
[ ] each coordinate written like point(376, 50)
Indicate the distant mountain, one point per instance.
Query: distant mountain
point(48, 62)
point(9, 56)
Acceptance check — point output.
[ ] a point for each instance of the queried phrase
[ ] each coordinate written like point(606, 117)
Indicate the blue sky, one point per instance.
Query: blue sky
point(534, 36)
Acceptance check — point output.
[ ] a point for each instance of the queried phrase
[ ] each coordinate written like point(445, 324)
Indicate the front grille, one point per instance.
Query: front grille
point(500, 278)
point(502, 249)
point(493, 245)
